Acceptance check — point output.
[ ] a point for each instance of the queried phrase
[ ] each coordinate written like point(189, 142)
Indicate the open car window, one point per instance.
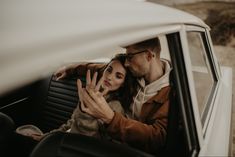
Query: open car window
point(203, 74)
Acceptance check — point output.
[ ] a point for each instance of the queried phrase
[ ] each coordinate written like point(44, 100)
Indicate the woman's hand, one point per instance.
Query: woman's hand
point(92, 100)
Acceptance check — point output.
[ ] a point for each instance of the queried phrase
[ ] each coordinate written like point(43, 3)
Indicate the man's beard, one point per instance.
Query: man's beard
point(135, 74)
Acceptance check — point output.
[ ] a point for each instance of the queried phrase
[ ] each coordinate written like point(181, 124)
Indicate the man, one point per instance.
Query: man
point(145, 127)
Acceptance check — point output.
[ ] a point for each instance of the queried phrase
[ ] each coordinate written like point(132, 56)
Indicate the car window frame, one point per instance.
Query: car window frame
point(201, 129)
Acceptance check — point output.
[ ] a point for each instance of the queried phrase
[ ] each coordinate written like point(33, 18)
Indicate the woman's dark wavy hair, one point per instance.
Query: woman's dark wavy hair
point(126, 92)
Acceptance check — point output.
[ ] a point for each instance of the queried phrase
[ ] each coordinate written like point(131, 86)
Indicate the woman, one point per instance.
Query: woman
point(117, 86)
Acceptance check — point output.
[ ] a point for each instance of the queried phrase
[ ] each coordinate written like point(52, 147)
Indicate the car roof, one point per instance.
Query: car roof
point(35, 35)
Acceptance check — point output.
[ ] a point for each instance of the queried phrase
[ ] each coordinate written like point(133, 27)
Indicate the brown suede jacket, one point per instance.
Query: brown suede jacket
point(148, 134)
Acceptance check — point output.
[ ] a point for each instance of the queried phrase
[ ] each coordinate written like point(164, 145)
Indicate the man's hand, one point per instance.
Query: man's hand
point(61, 73)
point(92, 100)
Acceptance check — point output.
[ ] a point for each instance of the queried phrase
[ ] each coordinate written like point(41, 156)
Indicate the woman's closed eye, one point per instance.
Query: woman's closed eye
point(119, 75)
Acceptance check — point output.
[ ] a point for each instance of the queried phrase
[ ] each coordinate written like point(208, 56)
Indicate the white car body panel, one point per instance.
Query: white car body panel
point(216, 142)
point(52, 27)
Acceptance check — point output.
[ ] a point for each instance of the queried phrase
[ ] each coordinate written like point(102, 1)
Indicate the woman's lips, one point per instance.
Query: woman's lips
point(106, 83)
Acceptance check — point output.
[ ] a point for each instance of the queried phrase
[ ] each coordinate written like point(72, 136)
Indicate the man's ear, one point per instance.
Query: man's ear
point(150, 55)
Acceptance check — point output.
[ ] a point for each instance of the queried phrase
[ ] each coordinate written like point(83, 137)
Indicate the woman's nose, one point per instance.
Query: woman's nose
point(109, 77)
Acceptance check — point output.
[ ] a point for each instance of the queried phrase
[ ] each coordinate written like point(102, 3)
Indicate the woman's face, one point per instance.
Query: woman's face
point(113, 76)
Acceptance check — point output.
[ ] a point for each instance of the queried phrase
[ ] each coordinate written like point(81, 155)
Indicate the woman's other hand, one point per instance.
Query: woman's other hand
point(37, 137)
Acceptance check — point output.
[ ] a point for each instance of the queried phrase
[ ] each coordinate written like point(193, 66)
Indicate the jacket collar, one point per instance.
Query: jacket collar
point(162, 96)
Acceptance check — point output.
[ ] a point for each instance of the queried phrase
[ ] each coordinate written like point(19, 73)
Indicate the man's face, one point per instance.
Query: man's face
point(136, 61)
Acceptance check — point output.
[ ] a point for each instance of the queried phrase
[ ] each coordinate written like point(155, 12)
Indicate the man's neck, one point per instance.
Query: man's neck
point(156, 71)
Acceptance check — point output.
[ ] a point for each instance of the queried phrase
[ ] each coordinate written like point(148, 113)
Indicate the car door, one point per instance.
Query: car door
point(201, 91)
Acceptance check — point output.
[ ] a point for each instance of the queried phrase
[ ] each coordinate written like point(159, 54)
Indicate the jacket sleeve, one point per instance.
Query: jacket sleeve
point(147, 136)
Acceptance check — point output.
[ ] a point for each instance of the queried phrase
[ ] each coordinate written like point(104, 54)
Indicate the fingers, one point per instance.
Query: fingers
point(81, 93)
point(88, 104)
point(35, 134)
point(87, 97)
point(93, 81)
point(97, 87)
point(79, 85)
point(92, 89)
point(88, 78)
point(94, 104)
point(57, 75)
point(60, 76)
point(105, 91)
point(37, 137)
point(60, 73)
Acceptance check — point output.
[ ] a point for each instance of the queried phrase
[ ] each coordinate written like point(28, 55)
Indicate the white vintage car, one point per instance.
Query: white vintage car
point(37, 37)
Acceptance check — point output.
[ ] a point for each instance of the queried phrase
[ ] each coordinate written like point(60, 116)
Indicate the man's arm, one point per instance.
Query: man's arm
point(147, 137)
point(76, 69)
point(66, 71)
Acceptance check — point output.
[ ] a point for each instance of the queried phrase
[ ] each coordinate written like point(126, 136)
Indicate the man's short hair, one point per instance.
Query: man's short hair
point(153, 44)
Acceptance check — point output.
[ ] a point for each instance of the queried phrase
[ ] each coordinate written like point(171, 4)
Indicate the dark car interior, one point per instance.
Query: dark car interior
point(47, 104)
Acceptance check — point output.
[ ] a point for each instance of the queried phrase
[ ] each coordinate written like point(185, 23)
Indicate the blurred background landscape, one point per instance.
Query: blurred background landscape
point(220, 16)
